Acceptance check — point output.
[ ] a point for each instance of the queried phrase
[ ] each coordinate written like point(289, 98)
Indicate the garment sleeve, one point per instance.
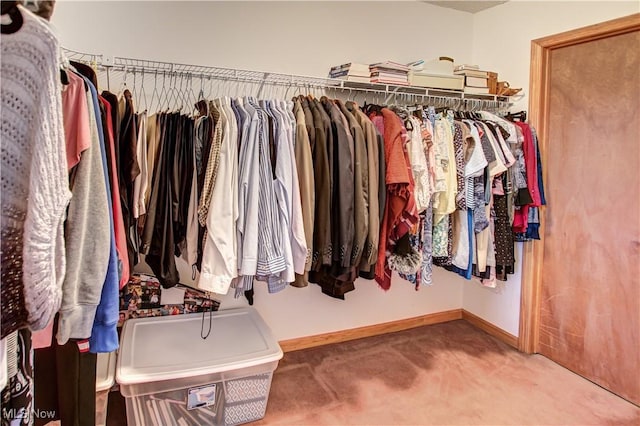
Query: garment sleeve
point(141, 182)
point(191, 254)
point(76, 119)
point(284, 207)
point(298, 240)
point(374, 205)
point(251, 187)
point(43, 249)
point(306, 185)
point(361, 191)
point(219, 259)
point(345, 205)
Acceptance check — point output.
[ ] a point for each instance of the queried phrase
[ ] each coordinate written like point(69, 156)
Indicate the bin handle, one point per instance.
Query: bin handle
point(202, 332)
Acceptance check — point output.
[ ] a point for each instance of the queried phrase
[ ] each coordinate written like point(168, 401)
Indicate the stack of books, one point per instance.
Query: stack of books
point(435, 74)
point(351, 72)
point(476, 81)
point(389, 73)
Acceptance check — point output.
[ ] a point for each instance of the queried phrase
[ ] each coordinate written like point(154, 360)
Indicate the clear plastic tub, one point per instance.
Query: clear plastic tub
point(105, 379)
point(170, 375)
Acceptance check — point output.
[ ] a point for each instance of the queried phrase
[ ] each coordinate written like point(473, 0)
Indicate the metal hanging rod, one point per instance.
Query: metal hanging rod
point(133, 65)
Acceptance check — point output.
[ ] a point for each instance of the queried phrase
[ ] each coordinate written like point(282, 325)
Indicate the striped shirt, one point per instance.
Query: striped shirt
point(270, 256)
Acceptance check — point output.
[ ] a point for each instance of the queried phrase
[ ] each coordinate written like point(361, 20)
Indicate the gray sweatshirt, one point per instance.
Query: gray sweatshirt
point(88, 241)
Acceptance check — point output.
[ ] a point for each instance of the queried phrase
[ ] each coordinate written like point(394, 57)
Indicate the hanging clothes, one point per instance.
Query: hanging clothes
point(372, 182)
point(323, 220)
point(158, 228)
point(400, 209)
point(128, 169)
point(360, 183)
point(306, 181)
point(34, 176)
point(88, 236)
point(248, 196)
point(272, 257)
point(118, 221)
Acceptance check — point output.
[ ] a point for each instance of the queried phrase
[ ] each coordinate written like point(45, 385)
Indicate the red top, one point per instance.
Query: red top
point(118, 222)
point(531, 163)
point(521, 216)
point(400, 211)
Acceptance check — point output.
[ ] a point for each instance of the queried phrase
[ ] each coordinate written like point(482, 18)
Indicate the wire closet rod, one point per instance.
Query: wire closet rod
point(144, 66)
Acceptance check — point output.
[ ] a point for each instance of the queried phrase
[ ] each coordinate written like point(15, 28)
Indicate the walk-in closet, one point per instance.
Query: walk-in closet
point(320, 213)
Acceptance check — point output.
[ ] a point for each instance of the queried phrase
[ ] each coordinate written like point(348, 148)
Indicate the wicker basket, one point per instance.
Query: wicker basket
point(492, 82)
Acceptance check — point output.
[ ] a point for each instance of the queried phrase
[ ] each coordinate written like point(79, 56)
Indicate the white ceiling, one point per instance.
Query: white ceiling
point(467, 6)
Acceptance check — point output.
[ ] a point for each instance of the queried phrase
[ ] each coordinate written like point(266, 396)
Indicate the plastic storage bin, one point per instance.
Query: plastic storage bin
point(105, 378)
point(170, 375)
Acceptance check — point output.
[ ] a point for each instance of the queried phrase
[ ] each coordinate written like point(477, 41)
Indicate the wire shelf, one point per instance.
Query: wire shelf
point(201, 73)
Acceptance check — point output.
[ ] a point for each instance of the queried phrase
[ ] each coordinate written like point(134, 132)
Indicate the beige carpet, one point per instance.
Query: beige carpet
point(435, 375)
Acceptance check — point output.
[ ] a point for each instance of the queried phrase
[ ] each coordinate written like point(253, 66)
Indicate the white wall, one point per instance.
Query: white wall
point(305, 38)
point(502, 35)
point(298, 312)
point(499, 306)
point(502, 42)
point(291, 37)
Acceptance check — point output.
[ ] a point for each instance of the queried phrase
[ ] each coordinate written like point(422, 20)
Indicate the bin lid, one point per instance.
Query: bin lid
point(105, 371)
point(171, 347)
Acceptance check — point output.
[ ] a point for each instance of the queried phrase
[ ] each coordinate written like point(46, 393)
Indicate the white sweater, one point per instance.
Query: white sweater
point(35, 186)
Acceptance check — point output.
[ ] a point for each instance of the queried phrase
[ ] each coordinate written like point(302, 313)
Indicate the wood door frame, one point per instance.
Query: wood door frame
point(533, 252)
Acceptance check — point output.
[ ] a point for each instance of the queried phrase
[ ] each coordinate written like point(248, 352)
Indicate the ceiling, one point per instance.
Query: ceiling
point(467, 6)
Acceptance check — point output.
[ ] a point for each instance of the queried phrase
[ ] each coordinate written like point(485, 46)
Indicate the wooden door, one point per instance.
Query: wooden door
point(589, 295)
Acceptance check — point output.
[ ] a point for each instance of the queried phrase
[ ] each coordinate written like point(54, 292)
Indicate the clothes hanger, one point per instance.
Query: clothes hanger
point(235, 93)
point(11, 9)
point(210, 91)
point(134, 93)
point(215, 91)
point(155, 93)
point(181, 94)
point(201, 92)
point(164, 93)
point(176, 93)
point(191, 95)
point(123, 83)
point(520, 115)
point(143, 94)
point(166, 100)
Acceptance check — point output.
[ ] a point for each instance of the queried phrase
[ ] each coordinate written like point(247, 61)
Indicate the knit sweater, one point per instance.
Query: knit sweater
point(35, 186)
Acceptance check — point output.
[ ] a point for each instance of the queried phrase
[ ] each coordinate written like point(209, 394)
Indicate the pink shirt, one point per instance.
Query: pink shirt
point(76, 119)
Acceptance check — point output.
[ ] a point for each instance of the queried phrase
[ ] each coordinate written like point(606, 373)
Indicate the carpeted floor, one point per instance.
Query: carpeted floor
point(445, 374)
point(435, 375)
